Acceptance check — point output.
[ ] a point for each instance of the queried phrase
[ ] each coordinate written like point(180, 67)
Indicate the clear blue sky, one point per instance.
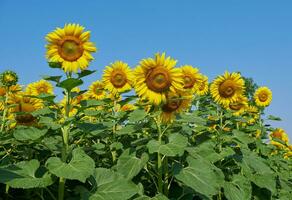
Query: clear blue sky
point(254, 37)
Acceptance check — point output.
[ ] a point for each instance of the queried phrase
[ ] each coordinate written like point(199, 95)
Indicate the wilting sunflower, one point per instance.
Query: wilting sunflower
point(70, 46)
point(263, 96)
point(117, 77)
point(239, 106)
point(281, 135)
point(227, 88)
point(155, 77)
point(175, 103)
point(22, 108)
point(191, 77)
point(96, 91)
point(202, 88)
point(40, 87)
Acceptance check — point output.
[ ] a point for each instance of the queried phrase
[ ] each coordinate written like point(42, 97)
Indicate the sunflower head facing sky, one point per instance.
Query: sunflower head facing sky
point(117, 77)
point(8, 78)
point(71, 47)
point(227, 88)
point(157, 76)
point(263, 96)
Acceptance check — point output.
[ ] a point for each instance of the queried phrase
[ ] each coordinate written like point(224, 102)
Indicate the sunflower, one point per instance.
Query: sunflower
point(155, 77)
point(70, 46)
point(96, 91)
point(227, 88)
point(22, 108)
point(263, 96)
point(8, 78)
point(254, 113)
point(281, 135)
point(202, 88)
point(191, 77)
point(39, 87)
point(239, 106)
point(175, 103)
point(117, 77)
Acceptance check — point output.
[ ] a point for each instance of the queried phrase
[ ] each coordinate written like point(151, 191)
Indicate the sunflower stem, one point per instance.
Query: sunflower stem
point(159, 160)
point(65, 135)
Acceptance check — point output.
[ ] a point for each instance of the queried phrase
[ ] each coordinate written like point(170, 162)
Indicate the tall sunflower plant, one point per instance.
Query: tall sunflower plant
point(155, 131)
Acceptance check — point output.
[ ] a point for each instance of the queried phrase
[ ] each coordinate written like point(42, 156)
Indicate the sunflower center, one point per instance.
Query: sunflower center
point(2, 91)
point(9, 78)
point(188, 82)
point(25, 119)
point(263, 97)
point(227, 89)
point(98, 91)
point(158, 79)
point(172, 105)
point(70, 48)
point(118, 79)
point(277, 134)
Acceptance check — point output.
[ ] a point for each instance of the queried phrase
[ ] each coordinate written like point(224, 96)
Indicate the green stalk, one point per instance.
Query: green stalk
point(159, 160)
point(166, 177)
point(5, 109)
point(65, 134)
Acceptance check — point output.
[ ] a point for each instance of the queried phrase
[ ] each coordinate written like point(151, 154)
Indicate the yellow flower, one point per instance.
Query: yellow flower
point(39, 87)
point(22, 108)
point(191, 77)
point(202, 88)
point(71, 47)
point(227, 88)
point(263, 96)
point(117, 77)
point(239, 106)
point(281, 135)
point(13, 89)
point(155, 77)
point(253, 112)
point(96, 91)
point(175, 103)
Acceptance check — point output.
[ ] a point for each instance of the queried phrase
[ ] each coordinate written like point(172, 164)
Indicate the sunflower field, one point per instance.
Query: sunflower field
point(154, 131)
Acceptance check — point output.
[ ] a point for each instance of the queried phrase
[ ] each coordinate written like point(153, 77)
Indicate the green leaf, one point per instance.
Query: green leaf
point(274, 118)
point(70, 83)
point(127, 130)
point(52, 78)
point(265, 180)
point(55, 65)
point(129, 165)
point(25, 174)
point(176, 146)
point(201, 176)
point(111, 185)
point(23, 133)
point(91, 103)
point(238, 189)
point(137, 115)
point(79, 168)
point(86, 72)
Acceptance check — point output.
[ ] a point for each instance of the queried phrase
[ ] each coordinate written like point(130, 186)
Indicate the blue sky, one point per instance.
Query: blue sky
point(254, 37)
